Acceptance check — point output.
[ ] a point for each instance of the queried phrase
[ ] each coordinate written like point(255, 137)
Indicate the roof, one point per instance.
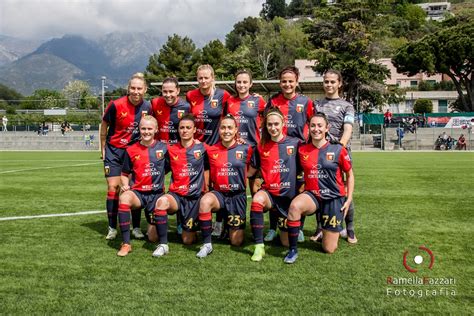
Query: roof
point(260, 86)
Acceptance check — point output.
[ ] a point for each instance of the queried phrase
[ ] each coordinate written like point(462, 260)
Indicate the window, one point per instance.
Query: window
point(413, 83)
point(442, 106)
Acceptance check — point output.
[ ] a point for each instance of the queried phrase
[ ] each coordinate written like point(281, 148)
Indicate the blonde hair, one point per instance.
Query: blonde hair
point(209, 67)
point(149, 118)
point(139, 76)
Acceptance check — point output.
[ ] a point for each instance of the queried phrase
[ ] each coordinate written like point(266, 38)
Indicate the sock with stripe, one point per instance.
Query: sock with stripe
point(293, 231)
point(161, 223)
point(112, 208)
point(205, 220)
point(256, 221)
point(124, 221)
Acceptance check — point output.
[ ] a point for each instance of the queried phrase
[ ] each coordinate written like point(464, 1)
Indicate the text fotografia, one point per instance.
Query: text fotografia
point(420, 286)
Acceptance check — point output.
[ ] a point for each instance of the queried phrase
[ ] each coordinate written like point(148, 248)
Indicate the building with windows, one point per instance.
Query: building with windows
point(436, 10)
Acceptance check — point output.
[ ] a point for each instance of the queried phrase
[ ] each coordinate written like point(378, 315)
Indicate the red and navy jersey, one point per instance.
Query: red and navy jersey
point(228, 167)
point(248, 113)
point(168, 118)
point(323, 169)
point(148, 166)
point(123, 118)
point(297, 111)
point(279, 165)
point(208, 113)
point(187, 169)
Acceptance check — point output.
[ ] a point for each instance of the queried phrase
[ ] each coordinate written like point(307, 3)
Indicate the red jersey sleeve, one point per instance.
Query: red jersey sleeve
point(345, 160)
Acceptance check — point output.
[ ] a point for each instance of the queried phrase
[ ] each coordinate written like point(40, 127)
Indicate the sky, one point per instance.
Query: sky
point(198, 19)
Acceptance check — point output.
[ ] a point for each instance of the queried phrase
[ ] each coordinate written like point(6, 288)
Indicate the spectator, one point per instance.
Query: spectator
point(44, 129)
point(449, 143)
point(387, 118)
point(461, 144)
point(5, 122)
point(87, 139)
point(63, 127)
point(400, 135)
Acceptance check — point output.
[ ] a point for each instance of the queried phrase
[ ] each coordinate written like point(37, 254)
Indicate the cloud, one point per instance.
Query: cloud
point(203, 19)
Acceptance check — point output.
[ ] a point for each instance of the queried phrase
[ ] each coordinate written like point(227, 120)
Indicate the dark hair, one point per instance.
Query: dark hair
point(291, 69)
point(265, 134)
point(188, 117)
point(338, 74)
point(240, 72)
point(317, 114)
point(230, 117)
point(171, 80)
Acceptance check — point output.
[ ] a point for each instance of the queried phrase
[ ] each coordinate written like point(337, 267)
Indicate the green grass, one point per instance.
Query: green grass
point(64, 264)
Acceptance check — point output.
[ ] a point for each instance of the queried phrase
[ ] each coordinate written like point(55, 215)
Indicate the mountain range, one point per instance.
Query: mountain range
point(30, 65)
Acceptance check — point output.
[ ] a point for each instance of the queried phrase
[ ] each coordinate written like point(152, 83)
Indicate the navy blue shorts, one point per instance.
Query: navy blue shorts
point(235, 206)
point(148, 202)
point(188, 211)
point(280, 204)
point(113, 161)
point(331, 214)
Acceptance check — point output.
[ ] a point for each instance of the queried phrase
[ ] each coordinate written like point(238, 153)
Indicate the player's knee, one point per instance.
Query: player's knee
point(162, 203)
point(329, 249)
point(188, 240)
point(205, 204)
point(259, 198)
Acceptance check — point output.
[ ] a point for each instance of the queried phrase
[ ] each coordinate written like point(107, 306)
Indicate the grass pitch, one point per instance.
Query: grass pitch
point(403, 201)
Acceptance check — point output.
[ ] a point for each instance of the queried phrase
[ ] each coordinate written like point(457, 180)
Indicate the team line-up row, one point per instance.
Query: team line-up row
point(212, 143)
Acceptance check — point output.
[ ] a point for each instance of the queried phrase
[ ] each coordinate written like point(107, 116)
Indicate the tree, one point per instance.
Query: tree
point(79, 95)
point(215, 53)
point(247, 28)
point(9, 97)
point(177, 58)
point(423, 106)
point(272, 9)
point(449, 51)
point(44, 99)
point(343, 41)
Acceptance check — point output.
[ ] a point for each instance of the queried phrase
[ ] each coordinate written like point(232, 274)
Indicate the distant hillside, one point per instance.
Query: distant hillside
point(39, 71)
point(55, 62)
point(11, 49)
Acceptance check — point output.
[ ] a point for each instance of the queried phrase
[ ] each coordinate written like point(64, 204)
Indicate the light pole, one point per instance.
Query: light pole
point(103, 93)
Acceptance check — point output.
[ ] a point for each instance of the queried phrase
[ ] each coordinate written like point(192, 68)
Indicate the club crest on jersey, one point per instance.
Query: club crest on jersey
point(197, 154)
point(214, 103)
point(180, 113)
point(250, 104)
point(290, 150)
point(159, 154)
point(330, 156)
point(266, 153)
point(299, 108)
point(239, 154)
point(159, 112)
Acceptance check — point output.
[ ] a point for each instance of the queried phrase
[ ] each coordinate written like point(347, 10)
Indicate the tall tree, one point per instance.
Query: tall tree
point(215, 53)
point(343, 41)
point(247, 28)
point(9, 96)
point(272, 9)
point(79, 95)
point(449, 51)
point(177, 58)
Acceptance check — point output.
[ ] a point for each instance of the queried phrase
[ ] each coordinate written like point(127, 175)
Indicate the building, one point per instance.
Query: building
point(436, 10)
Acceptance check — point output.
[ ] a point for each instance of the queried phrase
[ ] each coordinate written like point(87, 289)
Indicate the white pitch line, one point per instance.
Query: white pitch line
point(50, 215)
point(54, 167)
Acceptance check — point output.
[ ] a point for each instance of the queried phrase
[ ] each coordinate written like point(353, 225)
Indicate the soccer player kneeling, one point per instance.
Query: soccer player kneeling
point(323, 165)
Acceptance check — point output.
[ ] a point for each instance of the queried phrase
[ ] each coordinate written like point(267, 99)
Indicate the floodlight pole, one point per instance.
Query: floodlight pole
point(103, 94)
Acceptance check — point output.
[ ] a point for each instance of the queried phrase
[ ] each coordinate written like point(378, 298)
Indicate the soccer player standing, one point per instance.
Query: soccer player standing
point(276, 157)
point(143, 174)
point(340, 114)
point(208, 105)
point(248, 110)
point(118, 130)
point(187, 184)
point(296, 109)
point(324, 165)
point(228, 174)
point(168, 109)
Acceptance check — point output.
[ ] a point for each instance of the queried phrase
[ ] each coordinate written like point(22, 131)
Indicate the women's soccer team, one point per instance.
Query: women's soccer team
point(293, 153)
